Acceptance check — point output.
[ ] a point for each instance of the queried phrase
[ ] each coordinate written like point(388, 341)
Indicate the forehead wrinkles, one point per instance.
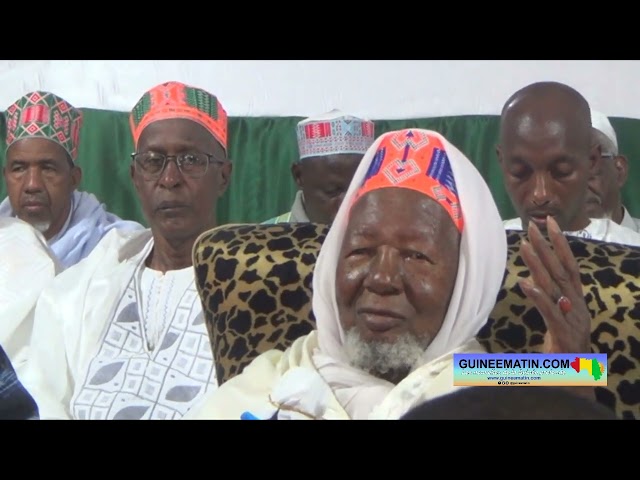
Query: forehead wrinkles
point(374, 214)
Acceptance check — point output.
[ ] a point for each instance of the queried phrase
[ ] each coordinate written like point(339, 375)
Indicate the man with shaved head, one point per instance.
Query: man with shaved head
point(548, 154)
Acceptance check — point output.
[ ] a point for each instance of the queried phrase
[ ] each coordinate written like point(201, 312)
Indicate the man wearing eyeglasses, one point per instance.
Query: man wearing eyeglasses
point(605, 199)
point(123, 333)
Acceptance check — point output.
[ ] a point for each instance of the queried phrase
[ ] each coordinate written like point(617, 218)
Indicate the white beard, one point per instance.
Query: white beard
point(41, 226)
point(378, 358)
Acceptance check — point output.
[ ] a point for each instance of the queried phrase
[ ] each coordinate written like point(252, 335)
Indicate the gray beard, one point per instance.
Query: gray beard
point(379, 358)
point(42, 227)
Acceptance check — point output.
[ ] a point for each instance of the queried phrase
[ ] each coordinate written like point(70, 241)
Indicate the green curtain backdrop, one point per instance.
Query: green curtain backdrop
point(263, 148)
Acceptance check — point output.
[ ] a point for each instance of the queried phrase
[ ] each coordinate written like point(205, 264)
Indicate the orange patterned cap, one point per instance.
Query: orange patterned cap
point(417, 161)
point(177, 100)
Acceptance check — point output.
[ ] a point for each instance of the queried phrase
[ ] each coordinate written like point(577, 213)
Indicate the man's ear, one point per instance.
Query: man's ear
point(500, 156)
point(621, 164)
point(296, 173)
point(134, 178)
point(76, 176)
point(225, 177)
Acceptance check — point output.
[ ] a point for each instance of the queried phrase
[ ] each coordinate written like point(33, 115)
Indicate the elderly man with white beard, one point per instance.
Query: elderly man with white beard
point(406, 277)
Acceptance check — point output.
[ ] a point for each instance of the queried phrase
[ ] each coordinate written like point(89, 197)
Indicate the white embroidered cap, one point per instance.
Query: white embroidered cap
point(600, 122)
point(333, 133)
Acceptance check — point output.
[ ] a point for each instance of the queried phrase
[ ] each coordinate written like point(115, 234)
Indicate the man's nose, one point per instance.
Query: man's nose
point(33, 180)
point(385, 273)
point(171, 176)
point(541, 190)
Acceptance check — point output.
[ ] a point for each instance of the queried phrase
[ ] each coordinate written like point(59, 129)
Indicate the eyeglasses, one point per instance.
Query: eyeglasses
point(190, 164)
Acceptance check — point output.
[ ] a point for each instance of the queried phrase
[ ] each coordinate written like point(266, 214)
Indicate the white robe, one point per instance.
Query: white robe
point(599, 229)
point(27, 267)
point(88, 222)
point(289, 383)
point(630, 222)
point(89, 357)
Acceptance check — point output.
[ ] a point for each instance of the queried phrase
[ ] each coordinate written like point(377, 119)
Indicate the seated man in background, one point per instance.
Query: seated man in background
point(41, 176)
point(548, 155)
point(605, 188)
point(510, 403)
point(122, 333)
point(15, 402)
point(331, 147)
point(406, 277)
point(27, 267)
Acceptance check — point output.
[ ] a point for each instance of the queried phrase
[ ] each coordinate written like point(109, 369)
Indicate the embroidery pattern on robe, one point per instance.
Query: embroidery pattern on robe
point(126, 380)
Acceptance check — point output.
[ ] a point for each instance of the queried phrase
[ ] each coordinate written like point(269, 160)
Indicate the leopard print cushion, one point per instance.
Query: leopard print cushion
point(609, 275)
point(255, 285)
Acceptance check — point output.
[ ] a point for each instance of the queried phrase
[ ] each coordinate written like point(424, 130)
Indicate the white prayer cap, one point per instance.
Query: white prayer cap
point(600, 122)
point(333, 133)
